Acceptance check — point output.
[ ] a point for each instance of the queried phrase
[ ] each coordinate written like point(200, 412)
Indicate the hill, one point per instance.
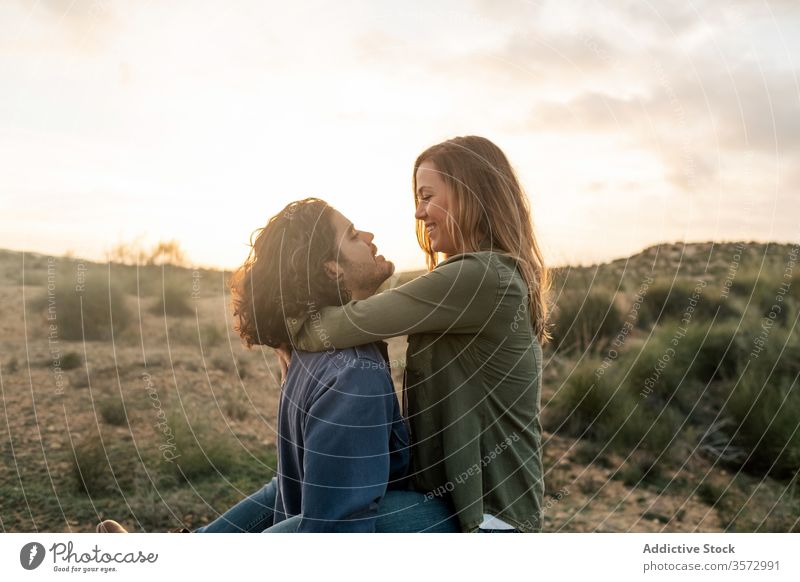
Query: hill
point(127, 394)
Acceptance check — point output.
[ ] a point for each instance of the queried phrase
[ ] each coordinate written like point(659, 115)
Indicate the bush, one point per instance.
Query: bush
point(670, 301)
point(759, 294)
point(583, 320)
point(710, 493)
point(12, 365)
point(82, 301)
point(174, 299)
point(104, 468)
point(211, 335)
point(112, 410)
point(747, 505)
point(766, 415)
point(640, 470)
point(223, 363)
point(677, 364)
point(201, 450)
point(590, 452)
point(579, 406)
point(613, 412)
point(71, 360)
point(716, 350)
point(236, 407)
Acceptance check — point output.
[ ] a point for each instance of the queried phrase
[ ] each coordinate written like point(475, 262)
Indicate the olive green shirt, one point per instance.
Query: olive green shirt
point(472, 385)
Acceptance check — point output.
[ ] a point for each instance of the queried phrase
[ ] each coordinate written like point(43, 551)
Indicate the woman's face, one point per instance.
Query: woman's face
point(434, 199)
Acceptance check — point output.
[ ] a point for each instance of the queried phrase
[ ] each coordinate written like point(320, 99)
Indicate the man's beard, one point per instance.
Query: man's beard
point(365, 278)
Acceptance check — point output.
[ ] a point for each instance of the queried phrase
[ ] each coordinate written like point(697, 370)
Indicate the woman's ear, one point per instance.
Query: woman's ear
point(333, 270)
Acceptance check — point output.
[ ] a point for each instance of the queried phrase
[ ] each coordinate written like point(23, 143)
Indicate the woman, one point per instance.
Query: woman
point(475, 324)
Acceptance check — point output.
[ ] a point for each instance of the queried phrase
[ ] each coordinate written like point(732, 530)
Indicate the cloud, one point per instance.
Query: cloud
point(80, 24)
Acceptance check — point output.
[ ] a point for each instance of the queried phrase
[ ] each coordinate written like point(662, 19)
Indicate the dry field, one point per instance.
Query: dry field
point(161, 418)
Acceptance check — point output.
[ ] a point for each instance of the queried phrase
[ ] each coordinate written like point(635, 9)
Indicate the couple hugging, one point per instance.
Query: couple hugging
point(465, 455)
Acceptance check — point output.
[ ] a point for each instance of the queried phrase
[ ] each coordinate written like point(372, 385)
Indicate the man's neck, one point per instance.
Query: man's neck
point(359, 295)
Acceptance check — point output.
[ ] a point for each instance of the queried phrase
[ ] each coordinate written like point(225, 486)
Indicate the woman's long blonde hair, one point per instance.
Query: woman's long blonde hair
point(490, 212)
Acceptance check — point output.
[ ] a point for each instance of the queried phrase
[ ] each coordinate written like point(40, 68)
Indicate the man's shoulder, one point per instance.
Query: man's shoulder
point(358, 371)
point(336, 363)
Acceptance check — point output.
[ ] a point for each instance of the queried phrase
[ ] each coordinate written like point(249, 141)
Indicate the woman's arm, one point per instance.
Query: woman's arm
point(456, 297)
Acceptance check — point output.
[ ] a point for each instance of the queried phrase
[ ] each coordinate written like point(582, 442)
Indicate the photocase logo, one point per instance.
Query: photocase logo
point(31, 555)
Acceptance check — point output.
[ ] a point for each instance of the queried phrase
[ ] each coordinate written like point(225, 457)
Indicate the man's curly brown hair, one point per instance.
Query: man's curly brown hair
point(284, 274)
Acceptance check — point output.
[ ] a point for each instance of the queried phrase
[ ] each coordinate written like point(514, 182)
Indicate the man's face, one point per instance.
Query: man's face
point(361, 270)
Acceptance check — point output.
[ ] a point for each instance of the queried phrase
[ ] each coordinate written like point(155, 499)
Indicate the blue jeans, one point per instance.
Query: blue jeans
point(398, 511)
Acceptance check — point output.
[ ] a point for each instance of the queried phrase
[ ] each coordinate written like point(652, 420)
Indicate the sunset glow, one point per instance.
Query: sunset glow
point(629, 123)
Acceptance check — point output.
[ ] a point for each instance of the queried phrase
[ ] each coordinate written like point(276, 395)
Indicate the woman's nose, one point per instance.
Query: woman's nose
point(420, 213)
point(367, 236)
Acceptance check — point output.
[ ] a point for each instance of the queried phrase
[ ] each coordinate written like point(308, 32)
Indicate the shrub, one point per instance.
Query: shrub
point(611, 411)
point(236, 407)
point(760, 293)
point(84, 304)
point(102, 468)
point(222, 363)
point(174, 299)
point(640, 470)
point(112, 410)
point(12, 365)
point(211, 335)
point(671, 301)
point(716, 350)
point(583, 320)
point(242, 369)
point(710, 493)
point(747, 504)
point(677, 364)
point(71, 360)
point(589, 452)
point(766, 415)
point(201, 450)
point(581, 404)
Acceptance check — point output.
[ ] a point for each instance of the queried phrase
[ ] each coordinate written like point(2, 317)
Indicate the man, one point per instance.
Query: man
point(342, 442)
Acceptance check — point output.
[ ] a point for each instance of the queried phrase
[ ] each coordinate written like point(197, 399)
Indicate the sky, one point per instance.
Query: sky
point(630, 123)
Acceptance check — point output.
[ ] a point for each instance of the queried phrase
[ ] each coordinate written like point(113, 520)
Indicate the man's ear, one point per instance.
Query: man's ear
point(333, 270)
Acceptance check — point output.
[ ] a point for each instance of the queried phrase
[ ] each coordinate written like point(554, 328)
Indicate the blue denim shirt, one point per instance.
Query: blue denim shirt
point(342, 441)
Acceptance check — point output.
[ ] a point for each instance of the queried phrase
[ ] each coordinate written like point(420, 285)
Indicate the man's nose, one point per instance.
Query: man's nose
point(367, 236)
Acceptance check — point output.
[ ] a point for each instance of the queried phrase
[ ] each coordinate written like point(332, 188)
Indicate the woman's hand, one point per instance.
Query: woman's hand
point(284, 353)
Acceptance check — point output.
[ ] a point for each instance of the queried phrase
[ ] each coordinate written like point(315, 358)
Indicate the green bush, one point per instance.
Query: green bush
point(236, 406)
point(670, 301)
point(584, 320)
point(82, 301)
point(581, 403)
point(677, 364)
point(766, 415)
point(716, 350)
point(12, 365)
point(224, 363)
point(640, 470)
point(211, 335)
point(762, 296)
point(611, 411)
point(590, 452)
point(614, 410)
point(112, 410)
point(71, 360)
point(710, 493)
point(174, 299)
point(103, 468)
point(752, 504)
point(202, 451)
